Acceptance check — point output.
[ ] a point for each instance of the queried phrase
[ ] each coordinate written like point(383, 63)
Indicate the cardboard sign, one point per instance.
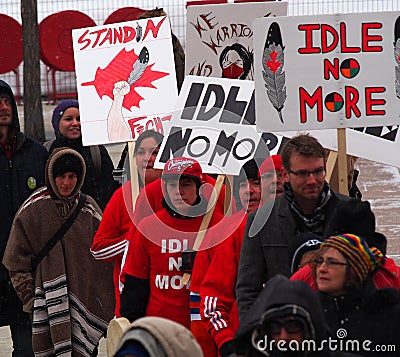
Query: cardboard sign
point(214, 124)
point(125, 78)
point(219, 38)
point(325, 72)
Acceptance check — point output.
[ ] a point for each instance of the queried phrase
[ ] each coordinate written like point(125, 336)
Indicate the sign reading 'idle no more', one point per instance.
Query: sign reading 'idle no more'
point(214, 124)
point(326, 72)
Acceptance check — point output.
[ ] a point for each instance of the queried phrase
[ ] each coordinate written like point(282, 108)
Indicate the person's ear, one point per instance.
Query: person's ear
point(284, 174)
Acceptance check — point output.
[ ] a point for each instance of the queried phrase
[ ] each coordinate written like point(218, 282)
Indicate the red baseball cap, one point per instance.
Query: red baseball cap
point(182, 167)
point(271, 163)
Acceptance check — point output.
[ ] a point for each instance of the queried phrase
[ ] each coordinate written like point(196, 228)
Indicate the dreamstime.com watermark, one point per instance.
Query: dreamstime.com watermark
point(330, 344)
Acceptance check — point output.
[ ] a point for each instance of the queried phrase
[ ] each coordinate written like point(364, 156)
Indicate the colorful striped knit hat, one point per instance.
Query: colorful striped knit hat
point(362, 259)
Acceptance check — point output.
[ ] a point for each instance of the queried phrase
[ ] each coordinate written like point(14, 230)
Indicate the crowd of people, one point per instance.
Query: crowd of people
point(294, 267)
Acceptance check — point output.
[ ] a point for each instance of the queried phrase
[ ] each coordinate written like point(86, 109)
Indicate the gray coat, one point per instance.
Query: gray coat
point(266, 253)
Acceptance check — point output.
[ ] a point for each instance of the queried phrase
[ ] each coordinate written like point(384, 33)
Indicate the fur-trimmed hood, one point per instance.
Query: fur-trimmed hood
point(49, 176)
point(162, 338)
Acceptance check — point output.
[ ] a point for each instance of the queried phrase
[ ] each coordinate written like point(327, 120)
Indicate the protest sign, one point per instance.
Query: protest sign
point(323, 72)
point(214, 124)
point(125, 79)
point(219, 38)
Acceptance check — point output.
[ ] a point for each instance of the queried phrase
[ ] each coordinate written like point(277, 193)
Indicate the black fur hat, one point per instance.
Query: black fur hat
point(355, 217)
point(67, 163)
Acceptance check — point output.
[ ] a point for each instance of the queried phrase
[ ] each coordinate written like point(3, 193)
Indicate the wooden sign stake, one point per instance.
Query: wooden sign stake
point(206, 221)
point(342, 161)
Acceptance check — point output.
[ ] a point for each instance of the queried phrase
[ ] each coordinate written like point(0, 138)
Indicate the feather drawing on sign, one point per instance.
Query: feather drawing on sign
point(397, 55)
point(139, 66)
point(273, 74)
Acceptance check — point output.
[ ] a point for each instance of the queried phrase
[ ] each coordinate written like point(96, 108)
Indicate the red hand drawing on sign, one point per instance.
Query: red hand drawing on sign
point(120, 69)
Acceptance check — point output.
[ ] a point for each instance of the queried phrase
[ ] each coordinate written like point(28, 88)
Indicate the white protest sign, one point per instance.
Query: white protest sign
point(219, 38)
point(125, 78)
point(326, 72)
point(214, 124)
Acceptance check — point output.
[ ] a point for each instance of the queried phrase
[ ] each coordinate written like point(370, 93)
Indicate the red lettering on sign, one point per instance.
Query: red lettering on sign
point(351, 99)
point(369, 101)
point(331, 68)
point(325, 29)
point(343, 41)
point(311, 101)
point(153, 28)
point(309, 48)
point(366, 37)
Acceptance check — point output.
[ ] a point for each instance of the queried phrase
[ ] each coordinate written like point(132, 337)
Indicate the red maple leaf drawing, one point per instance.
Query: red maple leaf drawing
point(274, 64)
point(118, 70)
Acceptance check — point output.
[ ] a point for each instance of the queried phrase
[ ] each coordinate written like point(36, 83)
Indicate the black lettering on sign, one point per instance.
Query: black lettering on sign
point(191, 101)
point(249, 152)
point(206, 147)
point(233, 106)
point(175, 142)
point(270, 140)
point(250, 117)
point(234, 111)
point(219, 97)
point(224, 146)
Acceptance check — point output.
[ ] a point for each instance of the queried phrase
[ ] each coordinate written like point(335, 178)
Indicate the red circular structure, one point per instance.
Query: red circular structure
point(11, 38)
point(55, 34)
point(124, 14)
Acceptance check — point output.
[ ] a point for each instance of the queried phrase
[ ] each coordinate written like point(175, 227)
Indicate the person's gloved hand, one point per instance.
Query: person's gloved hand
point(188, 257)
point(228, 349)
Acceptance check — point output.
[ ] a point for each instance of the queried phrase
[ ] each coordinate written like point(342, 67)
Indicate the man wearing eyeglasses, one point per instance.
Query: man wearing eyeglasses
point(305, 206)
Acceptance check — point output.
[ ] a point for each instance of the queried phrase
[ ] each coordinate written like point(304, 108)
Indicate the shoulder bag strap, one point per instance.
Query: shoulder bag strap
point(96, 157)
point(60, 233)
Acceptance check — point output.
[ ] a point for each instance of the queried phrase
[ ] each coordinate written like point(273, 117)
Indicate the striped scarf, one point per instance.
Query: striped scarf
point(315, 223)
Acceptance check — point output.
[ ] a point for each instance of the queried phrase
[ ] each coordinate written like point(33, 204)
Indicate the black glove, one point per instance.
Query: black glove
point(188, 257)
point(228, 349)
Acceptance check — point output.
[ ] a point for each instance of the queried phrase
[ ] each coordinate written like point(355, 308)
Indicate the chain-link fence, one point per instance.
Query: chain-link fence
point(64, 82)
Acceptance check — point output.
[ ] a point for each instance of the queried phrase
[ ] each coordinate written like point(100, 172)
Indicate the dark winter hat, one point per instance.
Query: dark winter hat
point(353, 216)
point(361, 258)
point(59, 111)
point(67, 163)
point(182, 167)
point(248, 171)
point(299, 245)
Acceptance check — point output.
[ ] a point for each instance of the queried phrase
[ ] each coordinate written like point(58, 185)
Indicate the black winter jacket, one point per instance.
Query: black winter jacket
point(19, 176)
point(366, 313)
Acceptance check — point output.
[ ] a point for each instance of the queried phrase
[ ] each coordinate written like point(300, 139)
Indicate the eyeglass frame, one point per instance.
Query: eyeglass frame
point(271, 174)
point(329, 263)
point(304, 174)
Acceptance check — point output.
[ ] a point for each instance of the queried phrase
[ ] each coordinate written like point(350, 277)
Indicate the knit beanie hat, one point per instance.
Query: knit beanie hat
point(59, 111)
point(67, 163)
point(362, 259)
point(272, 163)
point(300, 244)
